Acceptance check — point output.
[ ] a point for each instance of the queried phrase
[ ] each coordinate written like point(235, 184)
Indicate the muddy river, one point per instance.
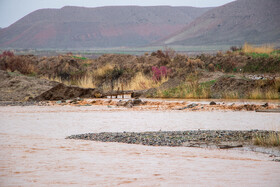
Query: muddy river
point(33, 151)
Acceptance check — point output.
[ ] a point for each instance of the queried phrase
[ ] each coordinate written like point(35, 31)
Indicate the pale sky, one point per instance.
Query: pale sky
point(13, 10)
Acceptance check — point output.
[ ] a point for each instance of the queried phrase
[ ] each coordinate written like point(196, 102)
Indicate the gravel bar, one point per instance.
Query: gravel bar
point(192, 138)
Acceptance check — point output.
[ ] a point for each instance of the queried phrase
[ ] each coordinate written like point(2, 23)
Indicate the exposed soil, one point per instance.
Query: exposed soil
point(63, 92)
point(232, 85)
point(164, 105)
point(18, 88)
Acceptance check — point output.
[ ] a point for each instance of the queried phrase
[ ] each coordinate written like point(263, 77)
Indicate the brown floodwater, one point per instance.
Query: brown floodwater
point(33, 151)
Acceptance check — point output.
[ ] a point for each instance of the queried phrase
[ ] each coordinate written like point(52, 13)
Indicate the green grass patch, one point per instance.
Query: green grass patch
point(258, 55)
point(208, 83)
point(192, 90)
point(276, 52)
point(15, 73)
point(77, 57)
point(86, 64)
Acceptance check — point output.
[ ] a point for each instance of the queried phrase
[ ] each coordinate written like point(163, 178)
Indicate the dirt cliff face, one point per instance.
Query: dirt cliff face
point(63, 92)
point(17, 87)
point(78, 27)
point(232, 85)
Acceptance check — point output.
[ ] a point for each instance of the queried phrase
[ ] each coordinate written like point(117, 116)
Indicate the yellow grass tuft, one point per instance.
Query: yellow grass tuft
point(231, 95)
point(273, 139)
point(270, 93)
point(100, 72)
point(255, 94)
point(58, 79)
point(142, 82)
point(86, 82)
point(268, 48)
point(196, 92)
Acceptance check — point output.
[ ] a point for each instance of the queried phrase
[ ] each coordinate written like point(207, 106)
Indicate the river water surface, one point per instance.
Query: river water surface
point(34, 151)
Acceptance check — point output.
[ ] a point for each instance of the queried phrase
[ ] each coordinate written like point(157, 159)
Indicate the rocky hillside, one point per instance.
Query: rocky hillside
point(78, 27)
point(253, 21)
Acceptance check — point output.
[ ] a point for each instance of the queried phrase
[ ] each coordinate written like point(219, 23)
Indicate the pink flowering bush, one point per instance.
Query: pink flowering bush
point(159, 73)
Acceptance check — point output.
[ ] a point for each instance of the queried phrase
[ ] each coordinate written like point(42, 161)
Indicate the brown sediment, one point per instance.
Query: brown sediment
point(89, 163)
point(165, 105)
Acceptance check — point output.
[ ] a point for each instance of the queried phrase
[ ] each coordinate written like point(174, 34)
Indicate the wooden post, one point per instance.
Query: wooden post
point(122, 90)
point(118, 92)
point(112, 88)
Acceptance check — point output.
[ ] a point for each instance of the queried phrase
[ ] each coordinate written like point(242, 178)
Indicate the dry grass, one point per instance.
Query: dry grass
point(142, 82)
point(138, 82)
point(86, 82)
point(272, 91)
point(58, 79)
point(269, 94)
point(102, 71)
point(231, 95)
point(256, 94)
point(273, 139)
point(247, 48)
point(186, 91)
point(197, 92)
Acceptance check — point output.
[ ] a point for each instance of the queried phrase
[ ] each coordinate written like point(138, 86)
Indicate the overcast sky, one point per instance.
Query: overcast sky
point(13, 10)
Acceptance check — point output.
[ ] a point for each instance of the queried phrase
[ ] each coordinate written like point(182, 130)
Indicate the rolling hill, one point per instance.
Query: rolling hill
point(253, 21)
point(79, 27)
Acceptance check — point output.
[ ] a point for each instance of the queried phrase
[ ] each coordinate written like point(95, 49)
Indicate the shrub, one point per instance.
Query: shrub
point(164, 57)
point(179, 61)
point(193, 64)
point(211, 67)
point(159, 54)
point(263, 65)
point(235, 48)
point(7, 53)
point(18, 63)
point(169, 52)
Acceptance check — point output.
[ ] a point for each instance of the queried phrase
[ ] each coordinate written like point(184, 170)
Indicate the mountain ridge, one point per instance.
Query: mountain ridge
point(253, 21)
point(82, 27)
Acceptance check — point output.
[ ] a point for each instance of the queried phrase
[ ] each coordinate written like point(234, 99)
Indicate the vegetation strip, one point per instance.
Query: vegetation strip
point(186, 138)
point(248, 72)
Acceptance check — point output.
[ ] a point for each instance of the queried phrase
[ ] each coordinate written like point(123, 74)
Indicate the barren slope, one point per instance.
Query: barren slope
point(78, 27)
point(254, 21)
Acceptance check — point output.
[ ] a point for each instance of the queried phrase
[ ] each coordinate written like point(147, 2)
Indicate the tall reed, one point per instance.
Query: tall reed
point(268, 48)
